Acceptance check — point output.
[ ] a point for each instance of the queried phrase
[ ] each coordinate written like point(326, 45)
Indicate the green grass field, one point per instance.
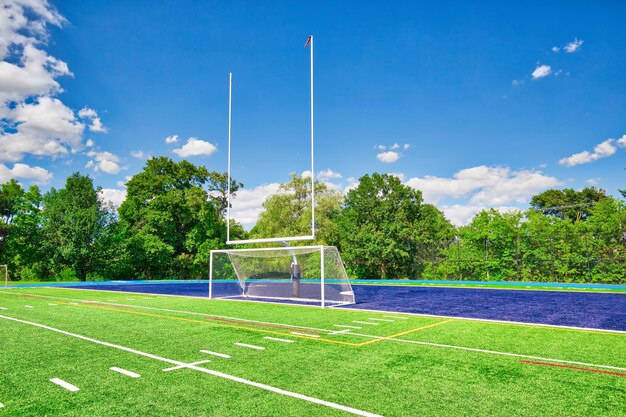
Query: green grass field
point(397, 365)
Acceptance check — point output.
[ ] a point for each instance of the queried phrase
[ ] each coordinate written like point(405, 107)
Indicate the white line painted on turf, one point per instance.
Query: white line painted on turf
point(249, 346)
point(3, 308)
point(341, 331)
point(1, 405)
point(29, 307)
point(220, 355)
point(389, 321)
point(276, 339)
point(347, 327)
point(304, 334)
point(186, 365)
point(125, 372)
point(398, 318)
point(64, 384)
point(51, 304)
point(365, 322)
point(491, 352)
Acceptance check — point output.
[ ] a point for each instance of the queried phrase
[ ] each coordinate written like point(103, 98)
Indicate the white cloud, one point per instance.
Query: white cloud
point(489, 186)
point(138, 154)
point(555, 49)
point(195, 147)
point(248, 204)
point(34, 121)
point(573, 46)
point(328, 174)
point(90, 143)
point(394, 147)
point(91, 116)
point(103, 161)
point(592, 181)
point(388, 157)
point(111, 195)
point(45, 127)
point(461, 215)
point(406, 146)
point(38, 174)
point(601, 150)
point(171, 139)
point(380, 147)
point(541, 71)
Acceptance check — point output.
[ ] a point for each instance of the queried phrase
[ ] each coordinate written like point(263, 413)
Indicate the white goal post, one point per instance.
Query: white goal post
point(309, 43)
point(303, 274)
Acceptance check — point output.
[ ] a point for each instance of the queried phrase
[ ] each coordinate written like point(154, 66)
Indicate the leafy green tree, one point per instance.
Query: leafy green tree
point(288, 213)
point(72, 220)
point(22, 243)
point(218, 189)
point(171, 222)
point(378, 227)
point(568, 203)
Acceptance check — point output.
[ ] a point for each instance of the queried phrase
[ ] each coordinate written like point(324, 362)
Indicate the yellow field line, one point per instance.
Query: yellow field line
point(380, 339)
point(316, 339)
point(214, 324)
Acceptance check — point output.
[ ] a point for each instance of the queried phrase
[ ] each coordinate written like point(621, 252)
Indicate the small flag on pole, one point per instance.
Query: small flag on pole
point(308, 41)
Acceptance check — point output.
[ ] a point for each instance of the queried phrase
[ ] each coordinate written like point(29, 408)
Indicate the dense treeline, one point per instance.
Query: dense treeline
point(173, 216)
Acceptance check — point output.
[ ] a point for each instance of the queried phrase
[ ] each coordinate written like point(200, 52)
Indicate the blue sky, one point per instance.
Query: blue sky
point(487, 104)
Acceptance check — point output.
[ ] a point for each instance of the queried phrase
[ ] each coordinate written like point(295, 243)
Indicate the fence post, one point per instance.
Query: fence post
point(487, 256)
point(587, 256)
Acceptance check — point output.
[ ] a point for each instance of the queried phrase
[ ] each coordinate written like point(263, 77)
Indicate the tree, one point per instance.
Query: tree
point(378, 227)
point(288, 213)
point(73, 219)
point(568, 203)
point(170, 220)
point(218, 189)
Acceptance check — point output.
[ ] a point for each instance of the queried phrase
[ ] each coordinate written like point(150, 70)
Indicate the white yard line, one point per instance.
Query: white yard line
point(394, 317)
point(186, 365)
point(375, 319)
point(64, 384)
point(365, 322)
point(491, 352)
point(51, 304)
point(3, 308)
point(204, 370)
point(29, 307)
point(304, 334)
point(195, 313)
point(220, 355)
point(276, 339)
point(341, 331)
point(249, 346)
point(347, 327)
point(125, 372)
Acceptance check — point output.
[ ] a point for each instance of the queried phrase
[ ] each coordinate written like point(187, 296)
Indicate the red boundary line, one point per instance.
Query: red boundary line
point(576, 368)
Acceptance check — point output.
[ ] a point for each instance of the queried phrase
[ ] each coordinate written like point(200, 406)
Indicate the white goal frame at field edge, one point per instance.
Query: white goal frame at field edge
point(228, 217)
point(286, 249)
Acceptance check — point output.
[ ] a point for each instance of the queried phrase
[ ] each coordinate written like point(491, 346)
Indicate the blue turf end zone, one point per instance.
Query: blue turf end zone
point(578, 309)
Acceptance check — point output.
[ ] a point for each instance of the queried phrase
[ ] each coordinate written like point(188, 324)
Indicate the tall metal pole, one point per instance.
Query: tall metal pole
point(230, 114)
point(322, 273)
point(211, 276)
point(312, 149)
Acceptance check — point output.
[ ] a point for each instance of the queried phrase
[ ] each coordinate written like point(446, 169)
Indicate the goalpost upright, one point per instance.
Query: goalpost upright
point(265, 272)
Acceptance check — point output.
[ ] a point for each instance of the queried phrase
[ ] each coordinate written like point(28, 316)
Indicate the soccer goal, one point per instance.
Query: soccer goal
point(305, 274)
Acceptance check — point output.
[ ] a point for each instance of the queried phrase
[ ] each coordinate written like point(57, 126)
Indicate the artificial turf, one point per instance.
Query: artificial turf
point(424, 369)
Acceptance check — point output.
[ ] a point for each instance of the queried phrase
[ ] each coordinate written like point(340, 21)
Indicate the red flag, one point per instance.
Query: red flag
point(308, 41)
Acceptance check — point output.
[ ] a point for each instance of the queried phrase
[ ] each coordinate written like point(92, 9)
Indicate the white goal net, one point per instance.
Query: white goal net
point(307, 274)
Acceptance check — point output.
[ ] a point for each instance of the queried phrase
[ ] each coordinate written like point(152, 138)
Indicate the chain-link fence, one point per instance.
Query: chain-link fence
point(564, 258)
